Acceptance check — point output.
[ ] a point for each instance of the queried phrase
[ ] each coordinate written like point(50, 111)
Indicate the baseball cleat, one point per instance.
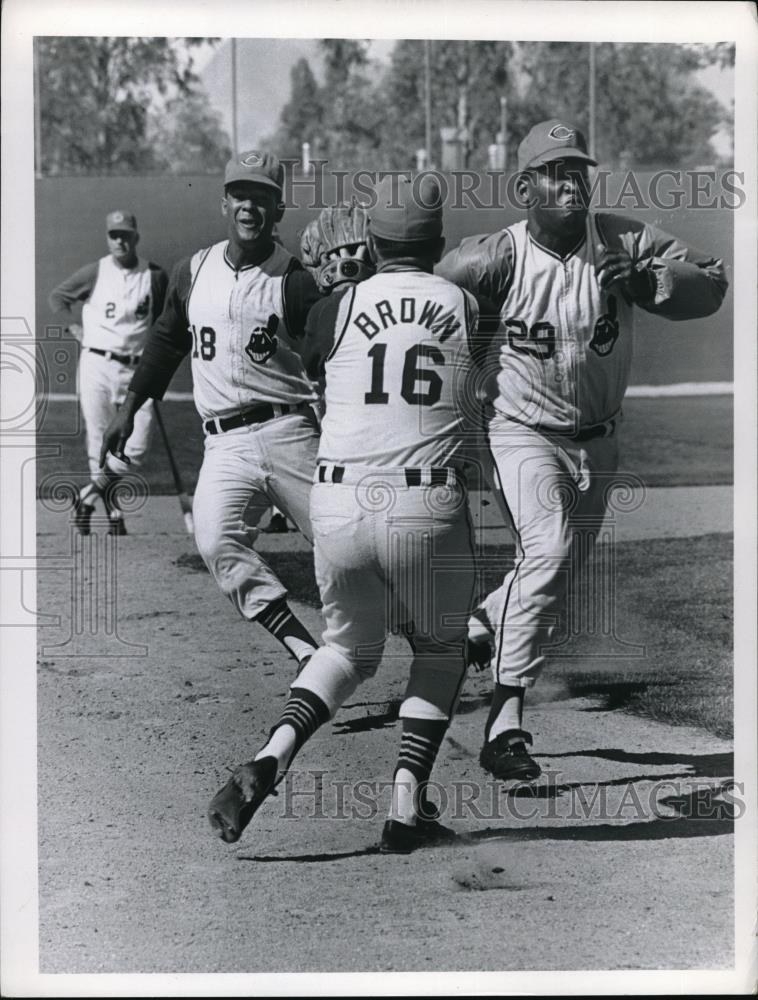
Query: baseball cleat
point(506, 757)
point(277, 525)
point(116, 525)
point(82, 516)
point(233, 807)
point(401, 838)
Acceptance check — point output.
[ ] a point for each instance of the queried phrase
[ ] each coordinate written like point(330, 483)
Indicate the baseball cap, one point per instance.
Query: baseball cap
point(407, 211)
point(553, 140)
point(121, 221)
point(256, 167)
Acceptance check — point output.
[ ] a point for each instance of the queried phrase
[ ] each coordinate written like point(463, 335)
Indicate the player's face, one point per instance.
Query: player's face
point(121, 245)
point(558, 196)
point(250, 211)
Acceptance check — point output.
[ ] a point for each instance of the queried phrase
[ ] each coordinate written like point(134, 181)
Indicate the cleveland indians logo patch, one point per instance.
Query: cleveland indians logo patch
point(263, 342)
point(143, 308)
point(606, 330)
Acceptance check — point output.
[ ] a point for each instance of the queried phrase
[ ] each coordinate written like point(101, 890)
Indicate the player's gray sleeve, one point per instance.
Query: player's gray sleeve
point(483, 265)
point(688, 284)
point(76, 288)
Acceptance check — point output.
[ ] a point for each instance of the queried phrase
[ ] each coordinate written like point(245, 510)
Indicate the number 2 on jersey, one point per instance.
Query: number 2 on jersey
point(412, 374)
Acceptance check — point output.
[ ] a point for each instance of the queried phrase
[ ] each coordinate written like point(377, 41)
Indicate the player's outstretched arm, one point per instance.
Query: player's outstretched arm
point(667, 277)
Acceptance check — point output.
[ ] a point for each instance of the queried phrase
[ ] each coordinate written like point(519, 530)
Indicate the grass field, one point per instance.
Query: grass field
point(665, 441)
point(672, 598)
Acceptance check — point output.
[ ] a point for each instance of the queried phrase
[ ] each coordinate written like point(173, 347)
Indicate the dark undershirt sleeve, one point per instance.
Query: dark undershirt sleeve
point(169, 340)
point(158, 287)
point(320, 332)
point(300, 295)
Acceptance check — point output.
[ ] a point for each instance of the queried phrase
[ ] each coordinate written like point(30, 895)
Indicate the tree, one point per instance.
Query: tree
point(96, 94)
point(302, 117)
point(468, 79)
point(649, 109)
point(353, 117)
point(187, 136)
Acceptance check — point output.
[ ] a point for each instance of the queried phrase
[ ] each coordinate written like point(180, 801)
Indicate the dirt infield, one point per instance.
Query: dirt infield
point(621, 857)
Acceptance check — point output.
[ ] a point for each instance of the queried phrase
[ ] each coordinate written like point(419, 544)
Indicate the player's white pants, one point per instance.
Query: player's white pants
point(556, 492)
point(244, 472)
point(386, 553)
point(103, 383)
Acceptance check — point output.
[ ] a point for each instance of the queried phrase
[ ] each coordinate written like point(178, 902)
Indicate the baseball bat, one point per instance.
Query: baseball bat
point(184, 501)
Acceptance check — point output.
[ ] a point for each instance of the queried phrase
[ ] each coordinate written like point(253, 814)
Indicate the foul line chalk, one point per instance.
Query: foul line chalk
point(633, 392)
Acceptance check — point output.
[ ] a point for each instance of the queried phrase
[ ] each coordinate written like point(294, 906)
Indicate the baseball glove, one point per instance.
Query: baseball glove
point(333, 246)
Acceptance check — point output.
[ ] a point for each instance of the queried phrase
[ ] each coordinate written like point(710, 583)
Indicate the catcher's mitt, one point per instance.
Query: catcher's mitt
point(333, 247)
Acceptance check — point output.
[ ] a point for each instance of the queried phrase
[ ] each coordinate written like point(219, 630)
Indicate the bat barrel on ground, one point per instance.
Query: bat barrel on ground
point(184, 501)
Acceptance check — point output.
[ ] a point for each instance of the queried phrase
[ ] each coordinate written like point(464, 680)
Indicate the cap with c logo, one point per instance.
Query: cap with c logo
point(255, 167)
point(553, 140)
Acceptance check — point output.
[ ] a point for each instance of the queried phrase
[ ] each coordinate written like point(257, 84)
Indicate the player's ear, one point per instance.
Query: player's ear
point(522, 188)
point(279, 211)
point(224, 206)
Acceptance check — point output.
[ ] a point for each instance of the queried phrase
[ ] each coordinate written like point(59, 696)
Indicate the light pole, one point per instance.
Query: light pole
point(428, 101)
point(591, 108)
point(235, 143)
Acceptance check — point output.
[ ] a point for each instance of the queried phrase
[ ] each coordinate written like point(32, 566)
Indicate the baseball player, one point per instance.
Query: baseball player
point(388, 508)
point(238, 308)
point(122, 295)
point(565, 282)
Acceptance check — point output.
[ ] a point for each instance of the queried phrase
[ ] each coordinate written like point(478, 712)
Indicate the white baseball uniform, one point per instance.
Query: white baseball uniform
point(119, 307)
point(564, 355)
point(392, 534)
point(259, 408)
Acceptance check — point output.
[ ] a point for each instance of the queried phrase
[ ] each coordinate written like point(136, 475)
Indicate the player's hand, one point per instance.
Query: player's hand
point(612, 266)
point(116, 435)
point(76, 331)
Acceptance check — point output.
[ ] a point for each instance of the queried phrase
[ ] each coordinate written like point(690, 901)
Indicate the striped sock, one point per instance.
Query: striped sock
point(418, 751)
point(420, 745)
point(89, 494)
point(303, 713)
point(291, 633)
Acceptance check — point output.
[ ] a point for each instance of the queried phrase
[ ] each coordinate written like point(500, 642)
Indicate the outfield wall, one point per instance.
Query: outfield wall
point(179, 214)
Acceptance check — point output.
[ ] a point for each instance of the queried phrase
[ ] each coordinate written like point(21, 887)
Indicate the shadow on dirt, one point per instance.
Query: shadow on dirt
point(708, 765)
point(382, 720)
point(673, 828)
point(309, 858)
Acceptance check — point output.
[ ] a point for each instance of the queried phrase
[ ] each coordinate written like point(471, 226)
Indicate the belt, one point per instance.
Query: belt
point(428, 475)
point(595, 431)
point(605, 429)
point(123, 359)
point(254, 415)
